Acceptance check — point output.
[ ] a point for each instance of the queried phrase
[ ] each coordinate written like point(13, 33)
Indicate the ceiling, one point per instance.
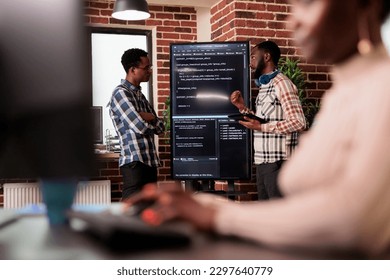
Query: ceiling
point(189, 3)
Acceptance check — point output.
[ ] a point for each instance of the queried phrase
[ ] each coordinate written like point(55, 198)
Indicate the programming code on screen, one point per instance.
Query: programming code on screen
point(206, 144)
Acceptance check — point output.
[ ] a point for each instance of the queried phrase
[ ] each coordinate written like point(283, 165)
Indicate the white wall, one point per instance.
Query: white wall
point(107, 70)
point(203, 24)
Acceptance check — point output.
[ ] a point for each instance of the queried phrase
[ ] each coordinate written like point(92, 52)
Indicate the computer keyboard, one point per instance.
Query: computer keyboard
point(122, 231)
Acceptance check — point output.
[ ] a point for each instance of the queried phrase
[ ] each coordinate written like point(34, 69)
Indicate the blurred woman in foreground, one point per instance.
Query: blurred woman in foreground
point(337, 185)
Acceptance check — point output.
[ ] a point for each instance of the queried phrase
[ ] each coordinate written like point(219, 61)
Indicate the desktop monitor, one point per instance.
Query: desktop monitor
point(44, 90)
point(205, 143)
point(97, 123)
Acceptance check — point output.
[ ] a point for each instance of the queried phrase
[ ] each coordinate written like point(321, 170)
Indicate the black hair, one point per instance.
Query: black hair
point(271, 48)
point(132, 58)
point(385, 10)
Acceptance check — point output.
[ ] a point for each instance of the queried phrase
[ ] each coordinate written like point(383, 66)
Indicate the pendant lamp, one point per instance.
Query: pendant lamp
point(131, 10)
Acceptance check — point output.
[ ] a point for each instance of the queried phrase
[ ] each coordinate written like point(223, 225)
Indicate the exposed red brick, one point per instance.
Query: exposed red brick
point(307, 68)
point(281, 17)
point(284, 33)
point(155, 8)
point(325, 85)
point(182, 16)
point(165, 171)
point(276, 25)
point(323, 68)
point(99, 20)
point(188, 23)
point(310, 85)
point(172, 9)
point(244, 14)
point(153, 22)
point(171, 23)
point(188, 10)
point(165, 71)
point(187, 37)
point(265, 16)
point(242, 6)
point(92, 12)
point(256, 6)
point(164, 15)
point(116, 179)
point(165, 29)
point(276, 8)
point(99, 5)
point(265, 33)
point(318, 77)
point(163, 78)
point(255, 23)
point(117, 21)
point(183, 30)
point(170, 35)
point(106, 13)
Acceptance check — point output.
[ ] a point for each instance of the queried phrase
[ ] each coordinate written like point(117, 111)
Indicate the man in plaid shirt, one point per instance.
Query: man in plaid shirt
point(136, 123)
point(278, 104)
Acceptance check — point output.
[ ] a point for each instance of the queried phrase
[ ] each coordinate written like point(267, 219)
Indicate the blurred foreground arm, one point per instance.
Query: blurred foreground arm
point(170, 202)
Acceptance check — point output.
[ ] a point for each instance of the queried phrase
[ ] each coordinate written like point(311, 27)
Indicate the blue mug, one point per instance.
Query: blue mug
point(58, 196)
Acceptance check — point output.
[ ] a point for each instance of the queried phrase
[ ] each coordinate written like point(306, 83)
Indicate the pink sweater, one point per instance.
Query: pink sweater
point(337, 184)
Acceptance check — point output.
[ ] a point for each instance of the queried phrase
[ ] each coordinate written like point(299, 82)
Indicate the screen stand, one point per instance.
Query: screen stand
point(231, 189)
point(200, 185)
point(208, 186)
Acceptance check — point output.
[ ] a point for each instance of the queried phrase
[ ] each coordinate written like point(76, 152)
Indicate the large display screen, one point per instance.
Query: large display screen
point(205, 143)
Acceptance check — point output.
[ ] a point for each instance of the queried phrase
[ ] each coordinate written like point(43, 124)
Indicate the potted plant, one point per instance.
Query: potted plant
point(167, 114)
point(290, 68)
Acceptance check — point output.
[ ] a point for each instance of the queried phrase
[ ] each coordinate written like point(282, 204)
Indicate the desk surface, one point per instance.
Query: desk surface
point(32, 238)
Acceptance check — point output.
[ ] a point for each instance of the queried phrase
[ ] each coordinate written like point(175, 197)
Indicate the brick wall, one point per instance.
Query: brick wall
point(258, 20)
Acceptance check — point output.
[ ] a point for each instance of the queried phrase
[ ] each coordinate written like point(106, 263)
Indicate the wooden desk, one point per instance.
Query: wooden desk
point(31, 238)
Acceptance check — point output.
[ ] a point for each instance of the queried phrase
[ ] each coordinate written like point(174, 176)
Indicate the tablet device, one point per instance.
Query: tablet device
point(240, 117)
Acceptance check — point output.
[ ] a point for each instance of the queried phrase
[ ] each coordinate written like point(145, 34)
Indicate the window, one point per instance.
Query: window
point(107, 48)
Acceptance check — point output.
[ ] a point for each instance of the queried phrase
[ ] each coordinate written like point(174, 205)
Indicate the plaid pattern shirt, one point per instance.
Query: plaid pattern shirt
point(278, 103)
point(136, 136)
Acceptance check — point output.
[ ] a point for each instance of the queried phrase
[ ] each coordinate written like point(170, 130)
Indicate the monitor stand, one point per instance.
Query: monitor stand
point(208, 186)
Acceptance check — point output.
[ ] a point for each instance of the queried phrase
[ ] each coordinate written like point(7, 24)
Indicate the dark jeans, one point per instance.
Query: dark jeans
point(135, 175)
point(266, 180)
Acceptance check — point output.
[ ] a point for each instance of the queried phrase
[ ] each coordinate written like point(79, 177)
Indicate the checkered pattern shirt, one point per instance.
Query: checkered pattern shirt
point(278, 103)
point(136, 136)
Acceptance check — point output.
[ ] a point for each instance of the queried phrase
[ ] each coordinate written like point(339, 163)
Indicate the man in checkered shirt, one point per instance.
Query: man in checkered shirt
point(136, 124)
point(278, 104)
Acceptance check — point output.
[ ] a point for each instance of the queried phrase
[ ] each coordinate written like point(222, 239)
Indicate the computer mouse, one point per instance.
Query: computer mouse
point(138, 208)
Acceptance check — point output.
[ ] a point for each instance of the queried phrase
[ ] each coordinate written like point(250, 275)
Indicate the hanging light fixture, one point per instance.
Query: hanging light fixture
point(131, 10)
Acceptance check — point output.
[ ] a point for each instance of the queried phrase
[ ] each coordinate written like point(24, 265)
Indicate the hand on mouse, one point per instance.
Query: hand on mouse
point(171, 202)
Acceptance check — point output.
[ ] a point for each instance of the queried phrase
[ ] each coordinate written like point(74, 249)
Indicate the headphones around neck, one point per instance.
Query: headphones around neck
point(266, 78)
